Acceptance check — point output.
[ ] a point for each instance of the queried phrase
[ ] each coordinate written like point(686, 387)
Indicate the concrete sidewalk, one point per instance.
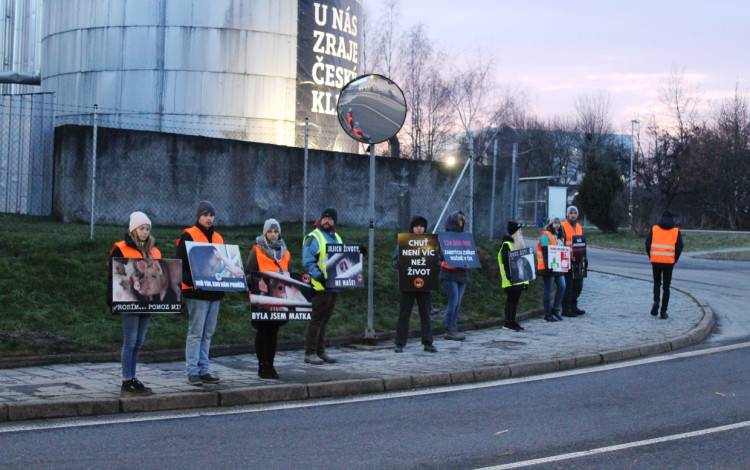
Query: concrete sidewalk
point(617, 326)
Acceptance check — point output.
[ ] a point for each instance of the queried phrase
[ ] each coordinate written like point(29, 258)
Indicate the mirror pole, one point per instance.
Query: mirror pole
point(370, 331)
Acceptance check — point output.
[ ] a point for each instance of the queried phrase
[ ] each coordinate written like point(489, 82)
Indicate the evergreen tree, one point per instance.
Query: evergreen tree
point(598, 194)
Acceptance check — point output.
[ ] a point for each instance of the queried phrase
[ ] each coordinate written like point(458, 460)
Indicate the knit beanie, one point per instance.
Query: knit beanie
point(330, 212)
point(556, 219)
point(203, 208)
point(271, 224)
point(137, 219)
point(513, 227)
point(571, 209)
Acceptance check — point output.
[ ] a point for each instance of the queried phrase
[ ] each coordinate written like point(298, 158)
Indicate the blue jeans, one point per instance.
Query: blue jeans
point(134, 328)
point(455, 292)
point(559, 292)
point(202, 315)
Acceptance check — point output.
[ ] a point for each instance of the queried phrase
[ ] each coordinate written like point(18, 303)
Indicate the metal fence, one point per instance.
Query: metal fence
point(108, 163)
point(26, 150)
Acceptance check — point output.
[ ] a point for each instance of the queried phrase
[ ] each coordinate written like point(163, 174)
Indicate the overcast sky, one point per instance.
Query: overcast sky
point(560, 50)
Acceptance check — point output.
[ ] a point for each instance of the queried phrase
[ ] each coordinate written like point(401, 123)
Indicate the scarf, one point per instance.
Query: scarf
point(274, 250)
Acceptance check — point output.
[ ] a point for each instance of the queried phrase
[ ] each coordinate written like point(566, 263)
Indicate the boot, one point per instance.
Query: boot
point(264, 372)
point(664, 315)
point(655, 310)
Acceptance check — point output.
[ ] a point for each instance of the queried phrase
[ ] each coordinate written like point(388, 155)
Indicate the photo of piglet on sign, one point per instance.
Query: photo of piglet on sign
point(344, 266)
point(280, 296)
point(216, 267)
point(146, 285)
point(418, 262)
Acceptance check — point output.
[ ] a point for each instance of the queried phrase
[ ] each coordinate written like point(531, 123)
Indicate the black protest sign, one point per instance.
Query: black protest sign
point(280, 296)
point(521, 265)
point(459, 250)
point(216, 267)
point(580, 263)
point(418, 262)
point(343, 266)
point(146, 286)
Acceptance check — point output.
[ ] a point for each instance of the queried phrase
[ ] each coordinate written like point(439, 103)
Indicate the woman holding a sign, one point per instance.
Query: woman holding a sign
point(268, 254)
point(138, 243)
point(454, 280)
point(552, 268)
point(512, 287)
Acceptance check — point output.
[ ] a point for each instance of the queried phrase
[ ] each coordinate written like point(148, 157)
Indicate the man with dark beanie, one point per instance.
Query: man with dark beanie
point(314, 259)
point(663, 246)
point(203, 306)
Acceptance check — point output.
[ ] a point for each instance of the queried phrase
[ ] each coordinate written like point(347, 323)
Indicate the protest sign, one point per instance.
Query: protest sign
point(459, 250)
point(146, 285)
point(344, 266)
point(216, 267)
point(580, 264)
point(281, 296)
point(418, 262)
point(521, 265)
point(558, 258)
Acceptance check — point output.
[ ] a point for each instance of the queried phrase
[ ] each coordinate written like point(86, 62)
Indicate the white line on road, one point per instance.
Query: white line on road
point(167, 415)
point(629, 445)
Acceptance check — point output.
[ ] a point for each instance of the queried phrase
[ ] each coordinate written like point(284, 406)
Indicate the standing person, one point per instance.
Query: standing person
point(323, 298)
point(203, 305)
point(417, 226)
point(268, 254)
point(454, 280)
point(512, 241)
point(664, 246)
point(138, 243)
point(553, 235)
point(573, 286)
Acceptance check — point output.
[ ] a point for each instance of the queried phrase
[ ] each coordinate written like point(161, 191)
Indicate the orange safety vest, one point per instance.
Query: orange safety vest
point(130, 252)
point(569, 232)
point(663, 244)
point(539, 254)
point(198, 236)
point(265, 263)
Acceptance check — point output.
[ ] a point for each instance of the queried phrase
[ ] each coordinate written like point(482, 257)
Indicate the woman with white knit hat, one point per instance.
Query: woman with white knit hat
point(138, 243)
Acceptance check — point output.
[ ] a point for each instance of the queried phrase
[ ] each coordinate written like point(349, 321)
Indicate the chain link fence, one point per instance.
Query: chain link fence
point(108, 163)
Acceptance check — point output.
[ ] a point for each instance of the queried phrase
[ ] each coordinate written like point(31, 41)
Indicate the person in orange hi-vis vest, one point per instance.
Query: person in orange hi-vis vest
point(573, 285)
point(203, 305)
point(138, 243)
point(268, 254)
point(663, 247)
point(552, 235)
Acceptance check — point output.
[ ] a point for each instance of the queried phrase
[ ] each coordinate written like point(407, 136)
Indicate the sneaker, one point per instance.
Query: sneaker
point(550, 318)
point(569, 313)
point(195, 380)
point(327, 358)
point(130, 389)
point(518, 326)
point(312, 359)
point(430, 348)
point(556, 314)
point(398, 349)
point(509, 327)
point(210, 379)
point(578, 311)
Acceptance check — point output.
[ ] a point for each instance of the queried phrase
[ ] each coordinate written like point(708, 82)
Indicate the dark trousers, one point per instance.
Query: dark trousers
point(662, 280)
point(512, 296)
point(573, 288)
point(322, 309)
point(424, 303)
point(266, 340)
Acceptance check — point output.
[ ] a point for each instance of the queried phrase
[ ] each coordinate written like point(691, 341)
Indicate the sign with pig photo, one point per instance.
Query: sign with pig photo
point(146, 285)
point(216, 267)
point(280, 296)
point(344, 266)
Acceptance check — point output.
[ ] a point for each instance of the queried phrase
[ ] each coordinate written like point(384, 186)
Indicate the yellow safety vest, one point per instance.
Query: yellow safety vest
point(506, 281)
point(322, 255)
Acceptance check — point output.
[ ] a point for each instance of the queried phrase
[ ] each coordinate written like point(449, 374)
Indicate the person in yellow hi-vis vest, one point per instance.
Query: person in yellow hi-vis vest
point(663, 246)
point(314, 259)
point(512, 241)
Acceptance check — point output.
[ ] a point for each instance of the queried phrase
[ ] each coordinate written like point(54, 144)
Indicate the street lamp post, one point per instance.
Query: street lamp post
point(632, 145)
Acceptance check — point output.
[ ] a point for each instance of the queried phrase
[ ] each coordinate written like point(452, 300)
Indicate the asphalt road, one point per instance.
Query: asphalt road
point(687, 409)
